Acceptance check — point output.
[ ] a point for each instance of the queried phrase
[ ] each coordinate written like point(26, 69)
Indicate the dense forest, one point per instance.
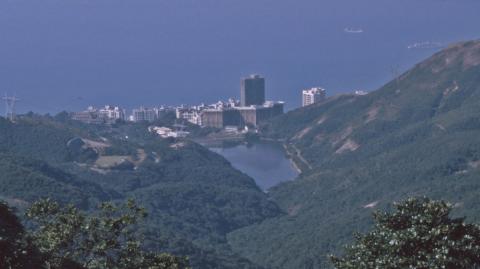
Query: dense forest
point(194, 197)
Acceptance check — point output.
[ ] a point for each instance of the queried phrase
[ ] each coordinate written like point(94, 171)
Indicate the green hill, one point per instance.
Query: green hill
point(417, 135)
point(194, 197)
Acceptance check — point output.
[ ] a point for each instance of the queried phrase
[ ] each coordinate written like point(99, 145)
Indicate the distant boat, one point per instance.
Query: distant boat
point(353, 30)
point(425, 45)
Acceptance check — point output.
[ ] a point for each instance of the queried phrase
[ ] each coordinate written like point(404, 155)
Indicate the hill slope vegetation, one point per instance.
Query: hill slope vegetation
point(417, 135)
point(194, 197)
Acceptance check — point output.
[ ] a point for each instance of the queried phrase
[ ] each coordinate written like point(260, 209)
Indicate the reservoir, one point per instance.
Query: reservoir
point(264, 162)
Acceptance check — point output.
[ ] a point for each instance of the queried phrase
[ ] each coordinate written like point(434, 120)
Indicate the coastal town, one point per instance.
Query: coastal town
point(231, 115)
point(250, 110)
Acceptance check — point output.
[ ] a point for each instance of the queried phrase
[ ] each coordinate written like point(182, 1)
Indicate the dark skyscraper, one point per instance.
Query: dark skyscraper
point(252, 91)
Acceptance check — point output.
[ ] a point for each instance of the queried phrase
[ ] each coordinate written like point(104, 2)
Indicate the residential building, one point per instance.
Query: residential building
point(145, 114)
point(241, 116)
point(212, 118)
point(251, 111)
point(88, 117)
point(192, 115)
point(106, 115)
point(313, 95)
point(112, 113)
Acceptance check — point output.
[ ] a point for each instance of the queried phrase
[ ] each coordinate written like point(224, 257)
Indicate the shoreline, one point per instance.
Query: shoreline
point(219, 142)
point(292, 160)
point(227, 142)
point(289, 162)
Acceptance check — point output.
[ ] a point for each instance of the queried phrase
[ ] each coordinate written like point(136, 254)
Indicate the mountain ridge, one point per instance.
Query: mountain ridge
point(417, 135)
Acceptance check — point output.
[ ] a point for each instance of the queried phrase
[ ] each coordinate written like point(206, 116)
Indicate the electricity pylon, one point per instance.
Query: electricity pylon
point(10, 102)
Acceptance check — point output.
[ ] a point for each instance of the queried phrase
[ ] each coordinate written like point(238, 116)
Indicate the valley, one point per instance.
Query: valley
point(248, 206)
point(193, 197)
point(416, 136)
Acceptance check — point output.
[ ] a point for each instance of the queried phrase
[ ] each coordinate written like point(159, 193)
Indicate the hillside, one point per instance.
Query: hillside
point(194, 197)
point(417, 135)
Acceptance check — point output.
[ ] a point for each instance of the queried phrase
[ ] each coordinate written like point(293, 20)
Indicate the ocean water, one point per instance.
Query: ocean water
point(264, 162)
point(65, 55)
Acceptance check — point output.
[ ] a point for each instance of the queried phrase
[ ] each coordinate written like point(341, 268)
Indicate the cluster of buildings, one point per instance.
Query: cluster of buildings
point(147, 114)
point(110, 114)
point(251, 110)
point(317, 94)
point(107, 114)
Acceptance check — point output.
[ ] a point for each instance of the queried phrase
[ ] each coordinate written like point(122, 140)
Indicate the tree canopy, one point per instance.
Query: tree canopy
point(65, 237)
point(15, 250)
point(419, 234)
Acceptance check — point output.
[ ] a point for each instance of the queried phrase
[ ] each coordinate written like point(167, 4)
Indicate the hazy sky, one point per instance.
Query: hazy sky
point(66, 54)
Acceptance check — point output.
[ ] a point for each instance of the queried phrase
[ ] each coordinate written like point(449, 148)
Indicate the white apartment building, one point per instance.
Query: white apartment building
point(313, 95)
point(112, 113)
point(106, 115)
point(145, 114)
point(190, 114)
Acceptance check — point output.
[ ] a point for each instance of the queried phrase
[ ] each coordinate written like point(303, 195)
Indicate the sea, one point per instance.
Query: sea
point(60, 55)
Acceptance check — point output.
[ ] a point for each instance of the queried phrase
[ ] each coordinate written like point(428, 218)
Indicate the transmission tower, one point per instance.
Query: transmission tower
point(10, 102)
point(395, 71)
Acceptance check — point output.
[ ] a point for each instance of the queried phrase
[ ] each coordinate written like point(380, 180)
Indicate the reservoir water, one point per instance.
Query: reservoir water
point(264, 162)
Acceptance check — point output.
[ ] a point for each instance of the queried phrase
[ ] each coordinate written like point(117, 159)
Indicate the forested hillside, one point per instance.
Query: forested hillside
point(193, 196)
point(417, 135)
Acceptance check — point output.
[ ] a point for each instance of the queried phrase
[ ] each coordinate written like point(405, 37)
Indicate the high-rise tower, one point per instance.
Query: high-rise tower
point(252, 91)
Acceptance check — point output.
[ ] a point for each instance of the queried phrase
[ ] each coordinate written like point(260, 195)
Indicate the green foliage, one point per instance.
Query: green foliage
point(194, 196)
point(419, 234)
point(37, 138)
point(24, 179)
point(107, 239)
point(15, 250)
point(420, 137)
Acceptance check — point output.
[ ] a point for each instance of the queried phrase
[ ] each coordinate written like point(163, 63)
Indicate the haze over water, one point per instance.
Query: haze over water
point(57, 54)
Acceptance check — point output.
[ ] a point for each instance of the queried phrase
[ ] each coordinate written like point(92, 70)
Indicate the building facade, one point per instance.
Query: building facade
point(106, 115)
point(145, 114)
point(252, 91)
point(313, 95)
point(213, 118)
point(112, 112)
point(250, 111)
point(241, 116)
point(192, 115)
